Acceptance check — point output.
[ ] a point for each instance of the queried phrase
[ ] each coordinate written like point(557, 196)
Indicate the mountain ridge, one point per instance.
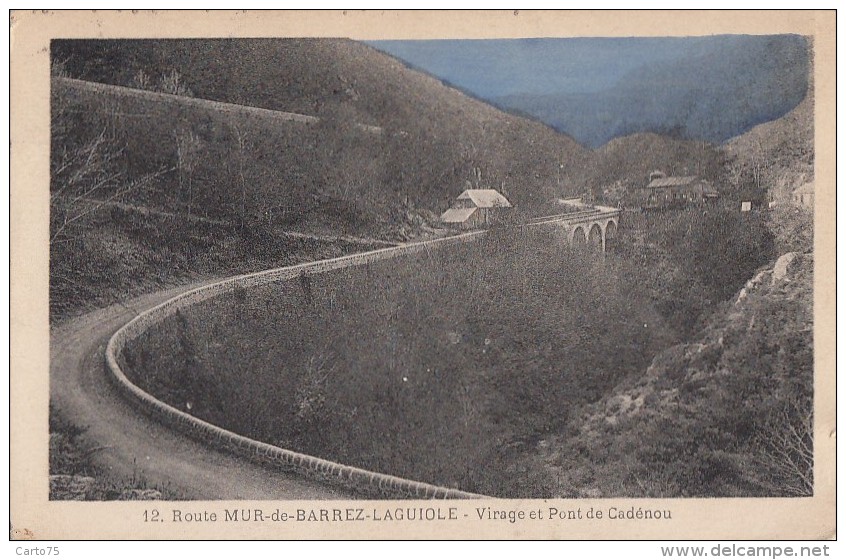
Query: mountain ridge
point(748, 81)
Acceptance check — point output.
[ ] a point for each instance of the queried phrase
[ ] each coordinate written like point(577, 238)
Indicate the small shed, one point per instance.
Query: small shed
point(475, 208)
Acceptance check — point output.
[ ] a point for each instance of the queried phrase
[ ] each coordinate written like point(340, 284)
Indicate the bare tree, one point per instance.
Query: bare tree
point(786, 449)
point(58, 68)
point(470, 156)
point(142, 80)
point(242, 143)
point(310, 395)
point(84, 175)
point(735, 173)
point(188, 146)
point(759, 163)
point(174, 84)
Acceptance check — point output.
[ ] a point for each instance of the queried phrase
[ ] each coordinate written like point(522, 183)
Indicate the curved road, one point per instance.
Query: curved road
point(128, 443)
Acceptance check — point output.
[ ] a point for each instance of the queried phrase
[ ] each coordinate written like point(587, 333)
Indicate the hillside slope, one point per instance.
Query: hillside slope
point(434, 136)
point(727, 414)
point(295, 159)
point(777, 155)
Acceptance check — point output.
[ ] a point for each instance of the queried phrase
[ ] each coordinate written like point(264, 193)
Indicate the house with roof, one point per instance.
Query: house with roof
point(664, 192)
point(476, 208)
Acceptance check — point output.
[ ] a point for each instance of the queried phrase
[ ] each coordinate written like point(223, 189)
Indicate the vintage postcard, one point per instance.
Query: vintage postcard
point(504, 275)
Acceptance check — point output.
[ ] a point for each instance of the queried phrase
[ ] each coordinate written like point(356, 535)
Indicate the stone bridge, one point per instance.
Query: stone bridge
point(594, 227)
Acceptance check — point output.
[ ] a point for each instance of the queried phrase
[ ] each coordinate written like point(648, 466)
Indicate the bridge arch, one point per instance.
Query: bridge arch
point(596, 237)
point(596, 228)
point(578, 238)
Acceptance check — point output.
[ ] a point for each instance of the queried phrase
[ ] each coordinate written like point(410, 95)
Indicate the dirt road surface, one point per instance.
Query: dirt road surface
point(130, 444)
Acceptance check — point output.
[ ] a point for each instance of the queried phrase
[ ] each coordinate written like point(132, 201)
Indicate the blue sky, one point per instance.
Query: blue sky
point(493, 68)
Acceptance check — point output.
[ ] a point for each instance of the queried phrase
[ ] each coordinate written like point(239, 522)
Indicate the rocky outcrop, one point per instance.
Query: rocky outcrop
point(782, 266)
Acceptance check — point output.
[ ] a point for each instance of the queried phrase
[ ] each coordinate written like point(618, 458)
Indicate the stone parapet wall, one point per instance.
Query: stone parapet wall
point(352, 478)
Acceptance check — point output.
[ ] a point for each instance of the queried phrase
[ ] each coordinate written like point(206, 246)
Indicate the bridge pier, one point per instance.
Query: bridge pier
point(599, 235)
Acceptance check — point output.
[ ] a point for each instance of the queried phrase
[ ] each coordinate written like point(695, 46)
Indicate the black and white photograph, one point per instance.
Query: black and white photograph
point(303, 269)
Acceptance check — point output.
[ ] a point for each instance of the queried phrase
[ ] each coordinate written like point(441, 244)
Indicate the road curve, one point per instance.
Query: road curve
point(130, 444)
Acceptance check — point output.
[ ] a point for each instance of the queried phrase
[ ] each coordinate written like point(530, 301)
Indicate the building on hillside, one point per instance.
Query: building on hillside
point(804, 195)
point(664, 192)
point(476, 208)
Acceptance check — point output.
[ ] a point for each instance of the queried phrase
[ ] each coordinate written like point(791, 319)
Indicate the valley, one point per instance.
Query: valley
point(512, 366)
